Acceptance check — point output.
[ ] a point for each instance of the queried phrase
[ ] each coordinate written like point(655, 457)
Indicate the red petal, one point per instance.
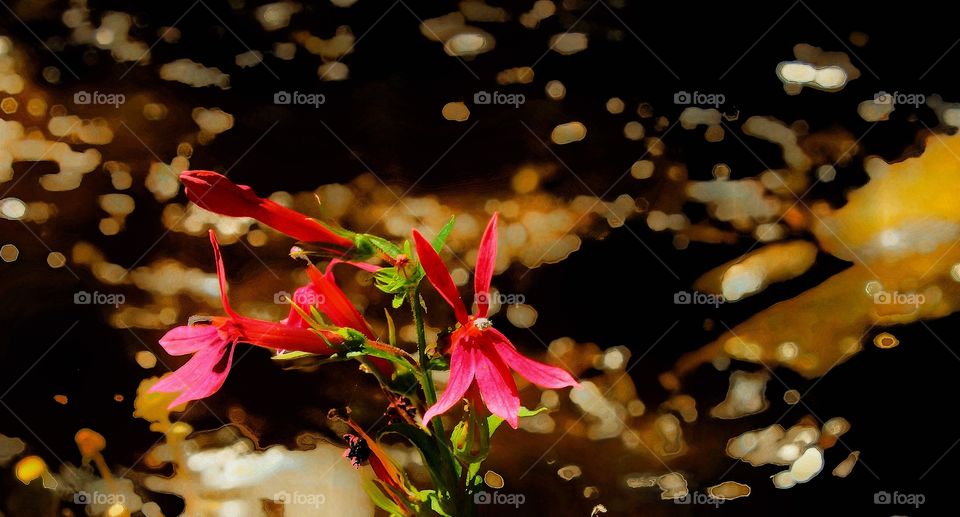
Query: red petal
point(333, 302)
point(366, 266)
point(277, 336)
point(303, 297)
point(486, 260)
point(497, 387)
point(216, 193)
point(462, 367)
point(221, 275)
point(542, 375)
point(198, 378)
point(438, 275)
point(188, 339)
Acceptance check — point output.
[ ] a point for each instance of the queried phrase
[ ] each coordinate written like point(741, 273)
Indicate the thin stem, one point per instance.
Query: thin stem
point(428, 388)
point(430, 392)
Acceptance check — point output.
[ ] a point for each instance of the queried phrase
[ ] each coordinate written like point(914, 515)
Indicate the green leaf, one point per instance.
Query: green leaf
point(430, 496)
point(289, 356)
point(302, 360)
point(397, 301)
point(383, 245)
point(441, 471)
point(380, 499)
point(440, 363)
point(441, 237)
point(493, 421)
point(391, 329)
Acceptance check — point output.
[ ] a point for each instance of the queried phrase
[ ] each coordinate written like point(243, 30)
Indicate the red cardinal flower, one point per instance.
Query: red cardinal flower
point(210, 343)
point(216, 193)
point(323, 293)
point(481, 357)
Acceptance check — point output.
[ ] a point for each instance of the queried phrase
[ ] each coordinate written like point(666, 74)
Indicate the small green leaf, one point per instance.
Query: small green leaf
point(380, 499)
point(436, 505)
point(493, 421)
point(289, 356)
point(383, 245)
point(441, 237)
point(440, 363)
point(397, 301)
point(391, 329)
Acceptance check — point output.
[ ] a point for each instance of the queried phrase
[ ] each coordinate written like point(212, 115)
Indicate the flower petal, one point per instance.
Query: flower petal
point(483, 273)
point(541, 374)
point(188, 339)
point(303, 297)
point(497, 387)
point(221, 275)
point(366, 266)
point(198, 378)
point(216, 193)
point(462, 368)
point(333, 302)
point(276, 335)
point(438, 275)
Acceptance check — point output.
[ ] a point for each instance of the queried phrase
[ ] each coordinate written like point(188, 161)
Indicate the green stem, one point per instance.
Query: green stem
point(376, 373)
point(429, 390)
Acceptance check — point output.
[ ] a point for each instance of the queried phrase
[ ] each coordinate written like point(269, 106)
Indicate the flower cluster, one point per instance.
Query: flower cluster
point(323, 323)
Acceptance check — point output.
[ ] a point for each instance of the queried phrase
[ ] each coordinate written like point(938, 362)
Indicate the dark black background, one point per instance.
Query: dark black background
point(613, 291)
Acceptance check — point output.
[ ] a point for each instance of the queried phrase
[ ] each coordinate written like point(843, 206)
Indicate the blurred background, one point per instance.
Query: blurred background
point(574, 120)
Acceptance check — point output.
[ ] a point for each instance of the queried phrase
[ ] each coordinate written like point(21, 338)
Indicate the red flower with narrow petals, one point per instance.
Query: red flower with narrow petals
point(481, 357)
point(212, 344)
point(216, 193)
point(323, 293)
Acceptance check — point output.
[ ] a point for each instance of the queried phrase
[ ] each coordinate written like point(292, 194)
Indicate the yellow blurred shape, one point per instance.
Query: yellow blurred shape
point(455, 111)
point(90, 442)
point(885, 340)
point(30, 468)
point(568, 133)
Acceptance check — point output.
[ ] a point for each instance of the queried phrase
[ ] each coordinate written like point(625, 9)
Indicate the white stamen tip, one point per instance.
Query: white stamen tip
point(482, 323)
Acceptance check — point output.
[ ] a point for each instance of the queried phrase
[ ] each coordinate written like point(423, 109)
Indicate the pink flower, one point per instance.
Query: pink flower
point(216, 193)
point(212, 345)
point(481, 357)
